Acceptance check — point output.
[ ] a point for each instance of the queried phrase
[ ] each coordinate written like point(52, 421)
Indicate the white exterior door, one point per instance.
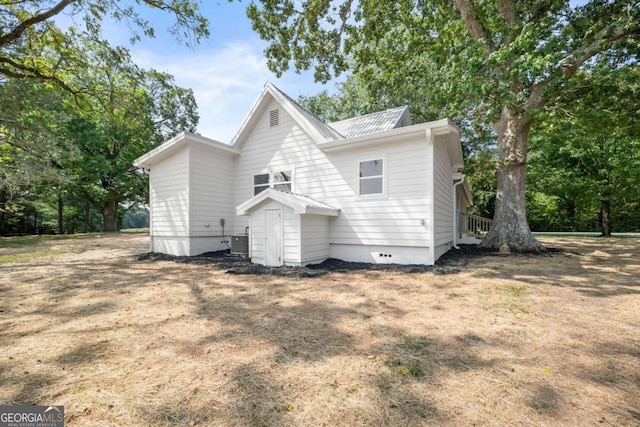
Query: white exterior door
point(273, 237)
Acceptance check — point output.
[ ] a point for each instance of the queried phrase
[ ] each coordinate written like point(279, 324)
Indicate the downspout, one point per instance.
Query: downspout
point(151, 239)
point(455, 211)
point(432, 209)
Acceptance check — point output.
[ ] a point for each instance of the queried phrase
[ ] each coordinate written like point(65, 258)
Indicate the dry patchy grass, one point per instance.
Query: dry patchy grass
point(515, 340)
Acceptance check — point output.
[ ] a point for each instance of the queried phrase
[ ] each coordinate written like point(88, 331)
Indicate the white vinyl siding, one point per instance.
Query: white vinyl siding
point(443, 197)
point(169, 196)
point(394, 219)
point(315, 238)
point(291, 236)
point(211, 191)
point(332, 178)
point(276, 149)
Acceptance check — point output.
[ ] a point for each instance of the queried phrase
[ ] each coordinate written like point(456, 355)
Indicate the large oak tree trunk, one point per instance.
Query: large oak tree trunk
point(510, 226)
point(605, 218)
point(87, 216)
point(110, 214)
point(60, 213)
point(3, 205)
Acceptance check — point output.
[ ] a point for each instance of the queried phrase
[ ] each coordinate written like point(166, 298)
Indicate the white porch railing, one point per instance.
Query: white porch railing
point(473, 225)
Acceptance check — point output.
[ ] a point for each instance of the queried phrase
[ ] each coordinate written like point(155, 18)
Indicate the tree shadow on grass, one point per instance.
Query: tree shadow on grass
point(546, 400)
point(293, 332)
point(593, 274)
point(31, 389)
point(619, 370)
point(84, 353)
point(305, 330)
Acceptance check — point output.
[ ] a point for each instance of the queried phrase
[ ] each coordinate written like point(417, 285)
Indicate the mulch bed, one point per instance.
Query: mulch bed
point(451, 262)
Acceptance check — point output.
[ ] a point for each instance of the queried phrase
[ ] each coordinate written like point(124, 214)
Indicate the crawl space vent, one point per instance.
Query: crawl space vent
point(274, 118)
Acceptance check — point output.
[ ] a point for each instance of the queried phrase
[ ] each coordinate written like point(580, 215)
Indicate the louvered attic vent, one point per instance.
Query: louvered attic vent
point(274, 118)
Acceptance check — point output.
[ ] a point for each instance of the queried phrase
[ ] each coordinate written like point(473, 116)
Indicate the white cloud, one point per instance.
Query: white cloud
point(225, 81)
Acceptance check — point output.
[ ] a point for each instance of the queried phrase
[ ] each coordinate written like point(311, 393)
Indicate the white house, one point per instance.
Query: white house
point(373, 188)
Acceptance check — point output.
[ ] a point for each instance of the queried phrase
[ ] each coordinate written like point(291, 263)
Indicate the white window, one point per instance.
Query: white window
point(371, 177)
point(260, 183)
point(282, 181)
point(278, 180)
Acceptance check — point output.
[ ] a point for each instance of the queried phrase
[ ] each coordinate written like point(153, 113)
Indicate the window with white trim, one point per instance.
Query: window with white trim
point(371, 177)
point(260, 183)
point(281, 181)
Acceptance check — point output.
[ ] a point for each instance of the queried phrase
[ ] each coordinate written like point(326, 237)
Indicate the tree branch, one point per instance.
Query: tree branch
point(472, 22)
point(31, 72)
point(508, 13)
point(536, 100)
point(574, 60)
point(24, 25)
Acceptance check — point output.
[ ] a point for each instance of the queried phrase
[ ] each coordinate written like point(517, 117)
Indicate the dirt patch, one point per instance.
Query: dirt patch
point(494, 340)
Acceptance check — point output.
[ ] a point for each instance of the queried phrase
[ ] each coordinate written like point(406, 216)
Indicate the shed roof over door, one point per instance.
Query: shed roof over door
point(299, 203)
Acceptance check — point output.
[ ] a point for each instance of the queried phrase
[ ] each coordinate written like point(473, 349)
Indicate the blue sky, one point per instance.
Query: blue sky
point(226, 71)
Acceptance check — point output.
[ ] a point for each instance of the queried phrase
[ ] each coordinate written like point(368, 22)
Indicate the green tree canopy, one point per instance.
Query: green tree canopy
point(84, 145)
point(127, 111)
point(32, 46)
point(586, 151)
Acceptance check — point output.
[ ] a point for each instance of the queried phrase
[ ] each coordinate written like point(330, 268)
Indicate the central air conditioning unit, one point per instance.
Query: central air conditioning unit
point(240, 245)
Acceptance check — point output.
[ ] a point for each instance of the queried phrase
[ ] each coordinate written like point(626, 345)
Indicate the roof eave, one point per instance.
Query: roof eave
point(286, 199)
point(438, 127)
point(310, 210)
point(173, 145)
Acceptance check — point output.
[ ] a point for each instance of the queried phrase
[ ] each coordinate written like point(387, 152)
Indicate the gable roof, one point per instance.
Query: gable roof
point(372, 128)
point(175, 144)
point(299, 203)
point(316, 128)
point(373, 123)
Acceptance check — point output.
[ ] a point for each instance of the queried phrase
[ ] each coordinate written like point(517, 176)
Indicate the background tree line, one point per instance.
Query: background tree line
point(545, 94)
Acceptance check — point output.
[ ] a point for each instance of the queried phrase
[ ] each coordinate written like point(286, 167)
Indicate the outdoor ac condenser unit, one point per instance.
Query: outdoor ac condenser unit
point(240, 245)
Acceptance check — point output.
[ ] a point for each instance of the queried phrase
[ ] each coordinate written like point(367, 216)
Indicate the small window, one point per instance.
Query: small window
point(274, 118)
point(260, 183)
point(282, 181)
point(371, 176)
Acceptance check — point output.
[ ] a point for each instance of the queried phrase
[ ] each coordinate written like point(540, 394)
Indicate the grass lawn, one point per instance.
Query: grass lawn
point(513, 340)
